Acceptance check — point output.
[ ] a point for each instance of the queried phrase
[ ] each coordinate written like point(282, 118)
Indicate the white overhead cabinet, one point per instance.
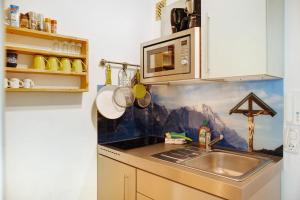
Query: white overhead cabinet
point(242, 39)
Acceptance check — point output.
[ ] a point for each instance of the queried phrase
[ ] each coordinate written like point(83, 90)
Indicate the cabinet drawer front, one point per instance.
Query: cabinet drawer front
point(159, 188)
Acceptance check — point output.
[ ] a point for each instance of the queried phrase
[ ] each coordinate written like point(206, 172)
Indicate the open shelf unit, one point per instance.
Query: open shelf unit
point(33, 51)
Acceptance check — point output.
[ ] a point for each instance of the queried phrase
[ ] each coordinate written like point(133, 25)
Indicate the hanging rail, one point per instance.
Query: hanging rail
point(126, 65)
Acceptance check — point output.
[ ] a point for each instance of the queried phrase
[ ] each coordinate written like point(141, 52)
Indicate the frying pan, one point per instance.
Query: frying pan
point(104, 99)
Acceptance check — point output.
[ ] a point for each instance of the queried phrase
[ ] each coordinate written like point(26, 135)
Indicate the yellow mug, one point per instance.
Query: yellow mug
point(66, 65)
point(53, 64)
point(39, 62)
point(77, 66)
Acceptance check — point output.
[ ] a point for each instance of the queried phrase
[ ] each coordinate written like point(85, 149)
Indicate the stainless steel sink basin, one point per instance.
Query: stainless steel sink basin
point(235, 166)
point(229, 165)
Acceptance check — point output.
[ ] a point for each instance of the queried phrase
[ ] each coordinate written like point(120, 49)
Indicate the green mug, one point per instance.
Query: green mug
point(66, 65)
point(77, 66)
point(53, 64)
point(39, 62)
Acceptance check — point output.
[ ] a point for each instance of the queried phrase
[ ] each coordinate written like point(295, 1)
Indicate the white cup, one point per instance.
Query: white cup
point(15, 83)
point(5, 83)
point(28, 83)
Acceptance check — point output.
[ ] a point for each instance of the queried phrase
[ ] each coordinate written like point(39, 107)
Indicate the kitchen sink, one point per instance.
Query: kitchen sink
point(231, 165)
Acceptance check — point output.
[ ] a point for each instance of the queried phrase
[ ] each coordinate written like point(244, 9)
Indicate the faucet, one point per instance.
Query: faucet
point(213, 142)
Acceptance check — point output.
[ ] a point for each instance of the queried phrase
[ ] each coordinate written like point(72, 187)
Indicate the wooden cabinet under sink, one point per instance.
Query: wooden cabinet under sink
point(119, 181)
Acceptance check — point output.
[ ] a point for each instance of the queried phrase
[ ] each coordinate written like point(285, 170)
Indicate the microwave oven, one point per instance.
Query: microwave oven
point(172, 58)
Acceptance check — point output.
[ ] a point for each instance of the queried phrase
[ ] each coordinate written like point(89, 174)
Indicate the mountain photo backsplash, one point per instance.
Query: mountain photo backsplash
point(184, 108)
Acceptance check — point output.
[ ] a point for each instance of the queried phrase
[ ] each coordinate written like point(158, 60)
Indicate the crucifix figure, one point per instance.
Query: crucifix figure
point(250, 112)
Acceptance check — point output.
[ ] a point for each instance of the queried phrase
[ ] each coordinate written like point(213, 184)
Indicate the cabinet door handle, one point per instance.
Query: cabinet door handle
point(206, 49)
point(126, 187)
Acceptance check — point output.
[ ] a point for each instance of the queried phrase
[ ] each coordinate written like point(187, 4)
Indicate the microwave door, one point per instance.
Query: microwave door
point(165, 59)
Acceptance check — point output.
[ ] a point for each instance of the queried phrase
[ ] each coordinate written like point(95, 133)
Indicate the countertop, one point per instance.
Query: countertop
point(141, 158)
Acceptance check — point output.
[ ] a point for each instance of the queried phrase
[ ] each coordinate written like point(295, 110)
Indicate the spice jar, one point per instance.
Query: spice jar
point(47, 25)
point(40, 22)
point(24, 20)
point(53, 26)
point(32, 20)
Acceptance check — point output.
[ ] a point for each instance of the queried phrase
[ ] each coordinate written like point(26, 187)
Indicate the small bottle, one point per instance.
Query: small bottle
point(53, 26)
point(204, 135)
point(47, 25)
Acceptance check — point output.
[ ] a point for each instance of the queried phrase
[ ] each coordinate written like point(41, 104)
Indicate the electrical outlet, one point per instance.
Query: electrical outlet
point(291, 143)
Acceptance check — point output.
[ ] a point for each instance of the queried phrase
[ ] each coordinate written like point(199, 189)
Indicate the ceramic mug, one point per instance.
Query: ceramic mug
point(53, 64)
point(5, 83)
point(66, 65)
point(39, 62)
point(15, 83)
point(28, 83)
point(77, 66)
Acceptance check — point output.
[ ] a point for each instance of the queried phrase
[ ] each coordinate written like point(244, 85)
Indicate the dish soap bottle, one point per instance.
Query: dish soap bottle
point(204, 135)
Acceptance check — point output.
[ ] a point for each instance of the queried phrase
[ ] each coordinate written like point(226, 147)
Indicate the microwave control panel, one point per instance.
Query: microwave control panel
point(184, 52)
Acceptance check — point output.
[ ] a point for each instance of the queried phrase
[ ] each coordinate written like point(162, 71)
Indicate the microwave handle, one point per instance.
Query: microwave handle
point(206, 43)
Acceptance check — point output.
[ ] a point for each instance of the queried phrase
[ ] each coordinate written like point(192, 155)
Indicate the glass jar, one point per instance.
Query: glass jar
point(78, 48)
point(65, 47)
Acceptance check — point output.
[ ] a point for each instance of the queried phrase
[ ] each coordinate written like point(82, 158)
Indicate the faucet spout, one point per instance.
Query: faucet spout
point(213, 142)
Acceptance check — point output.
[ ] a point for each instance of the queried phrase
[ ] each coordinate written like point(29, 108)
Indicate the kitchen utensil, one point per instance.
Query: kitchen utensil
point(77, 66)
point(15, 83)
point(39, 62)
point(28, 83)
point(12, 58)
point(104, 99)
point(139, 90)
point(145, 101)
point(66, 65)
point(124, 91)
point(53, 64)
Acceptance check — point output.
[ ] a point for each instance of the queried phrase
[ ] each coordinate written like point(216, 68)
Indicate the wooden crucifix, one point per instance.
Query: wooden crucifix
point(250, 112)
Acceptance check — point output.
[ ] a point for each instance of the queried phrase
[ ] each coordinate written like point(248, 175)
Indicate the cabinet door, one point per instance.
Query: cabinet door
point(233, 38)
point(116, 181)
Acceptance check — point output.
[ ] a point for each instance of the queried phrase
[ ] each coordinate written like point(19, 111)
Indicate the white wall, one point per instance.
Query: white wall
point(50, 139)
point(291, 178)
point(1, 104)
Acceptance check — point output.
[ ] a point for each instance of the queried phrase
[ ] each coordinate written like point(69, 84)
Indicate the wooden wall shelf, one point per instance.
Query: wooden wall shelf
point(32, 51)
point(42, 35)
point(45, 72)
point(66, 90)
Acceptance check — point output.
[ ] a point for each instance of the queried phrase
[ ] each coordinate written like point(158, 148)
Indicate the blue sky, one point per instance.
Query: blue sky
point(221, 97)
